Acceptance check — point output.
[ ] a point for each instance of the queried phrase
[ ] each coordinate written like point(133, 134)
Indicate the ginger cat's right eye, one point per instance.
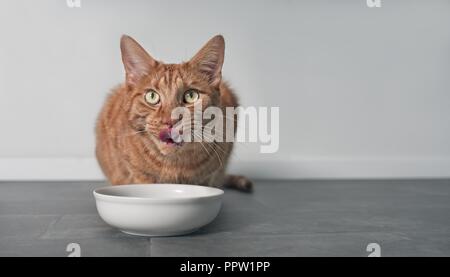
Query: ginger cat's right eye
point(152, 97)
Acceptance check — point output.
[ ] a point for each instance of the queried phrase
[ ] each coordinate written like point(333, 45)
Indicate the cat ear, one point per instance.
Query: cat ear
point(136, 60)
point(209, 59)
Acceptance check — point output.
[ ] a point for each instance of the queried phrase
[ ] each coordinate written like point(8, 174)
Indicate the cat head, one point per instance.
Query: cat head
point(154, 89)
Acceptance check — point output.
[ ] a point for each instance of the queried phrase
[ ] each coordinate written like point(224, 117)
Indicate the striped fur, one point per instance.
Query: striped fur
point(128, 148)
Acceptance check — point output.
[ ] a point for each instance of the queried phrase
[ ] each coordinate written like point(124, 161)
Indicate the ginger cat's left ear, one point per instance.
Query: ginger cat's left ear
point(136, 60)
point(209, 59)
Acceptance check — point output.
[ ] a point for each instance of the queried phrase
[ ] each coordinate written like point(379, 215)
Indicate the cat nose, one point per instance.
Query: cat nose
point(169, 122)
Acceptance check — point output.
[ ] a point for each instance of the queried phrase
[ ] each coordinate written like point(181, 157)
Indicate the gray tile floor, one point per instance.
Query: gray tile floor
point(281, 218)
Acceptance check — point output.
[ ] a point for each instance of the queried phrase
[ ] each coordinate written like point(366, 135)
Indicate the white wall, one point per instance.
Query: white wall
point(363, 92)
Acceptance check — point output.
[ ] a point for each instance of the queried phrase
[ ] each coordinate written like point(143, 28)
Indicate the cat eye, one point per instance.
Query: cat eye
point(152, 97)
point(191, 96)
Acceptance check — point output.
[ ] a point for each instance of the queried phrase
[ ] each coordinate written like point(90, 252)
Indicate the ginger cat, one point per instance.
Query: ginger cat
point(133, 142)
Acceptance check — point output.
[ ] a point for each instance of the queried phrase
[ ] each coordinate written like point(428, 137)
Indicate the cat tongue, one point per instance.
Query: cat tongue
point(164, 136)
point(170, 136)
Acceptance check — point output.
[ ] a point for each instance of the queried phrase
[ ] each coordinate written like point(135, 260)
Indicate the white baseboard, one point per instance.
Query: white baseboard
point(307, 168)
point(50, 169)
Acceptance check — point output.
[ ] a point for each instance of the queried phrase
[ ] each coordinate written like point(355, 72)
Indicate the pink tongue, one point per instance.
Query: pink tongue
point(165, 135)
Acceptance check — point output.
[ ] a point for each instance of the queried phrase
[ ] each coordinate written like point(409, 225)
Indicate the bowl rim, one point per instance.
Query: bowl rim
point(217, 193)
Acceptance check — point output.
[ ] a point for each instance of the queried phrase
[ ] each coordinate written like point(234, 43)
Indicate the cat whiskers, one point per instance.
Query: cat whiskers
point(209, 147)
point(211, 144)
point(131, 134)
point(211, 139)
point(201, 143)
point(235, 142)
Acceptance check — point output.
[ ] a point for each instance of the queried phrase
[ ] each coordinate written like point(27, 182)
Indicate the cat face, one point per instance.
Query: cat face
point(155, 89)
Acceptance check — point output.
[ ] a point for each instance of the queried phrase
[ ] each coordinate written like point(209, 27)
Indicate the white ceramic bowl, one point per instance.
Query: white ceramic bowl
point(158, 209)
